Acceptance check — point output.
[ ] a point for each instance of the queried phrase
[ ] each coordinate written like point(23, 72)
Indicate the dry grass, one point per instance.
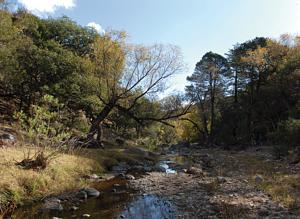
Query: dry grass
point(64, 173)
point(278, 181)
point(20, 185)
point(285, 189)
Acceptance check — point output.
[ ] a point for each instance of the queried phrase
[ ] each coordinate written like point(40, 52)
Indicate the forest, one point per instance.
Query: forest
point(65, 87)
point(248, 97)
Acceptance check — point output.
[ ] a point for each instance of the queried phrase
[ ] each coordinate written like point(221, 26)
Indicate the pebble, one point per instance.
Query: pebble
point(74, 208)
point(129, 177)
point(221, 179)
point(259, 179)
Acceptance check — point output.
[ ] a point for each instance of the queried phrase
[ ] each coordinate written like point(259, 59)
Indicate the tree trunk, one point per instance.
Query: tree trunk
point(235, 122)
point(212, 118)
point(250, 112)
point(96, 127)
point(212, 109)
point(204, 120)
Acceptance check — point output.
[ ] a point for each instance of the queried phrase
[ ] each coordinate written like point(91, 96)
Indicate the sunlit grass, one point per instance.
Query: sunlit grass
point(65, 172)
point(278, 181)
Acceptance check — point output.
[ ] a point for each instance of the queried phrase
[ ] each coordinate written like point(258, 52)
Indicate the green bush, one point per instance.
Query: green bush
point(44, 126)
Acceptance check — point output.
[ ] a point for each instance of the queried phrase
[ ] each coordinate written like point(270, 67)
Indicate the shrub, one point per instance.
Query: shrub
point(45, 126)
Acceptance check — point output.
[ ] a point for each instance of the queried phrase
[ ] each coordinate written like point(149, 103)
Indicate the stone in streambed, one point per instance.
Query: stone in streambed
point(194, 171)
point(129, 177)
point(82, 195)
point(52, 204)
point(91, 192)
point(74, 208)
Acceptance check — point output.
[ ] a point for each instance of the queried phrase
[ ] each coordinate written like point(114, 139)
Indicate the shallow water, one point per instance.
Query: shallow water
point(123, 203)
point(166, 166)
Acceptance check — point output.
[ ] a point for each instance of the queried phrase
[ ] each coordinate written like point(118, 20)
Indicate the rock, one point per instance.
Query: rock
point(82, 195)
point(114, 190)
point(8, 137)
point(94, 176)
point(56, 218)
point(74, 208)
point(55, 200)
point(194, 171)
point(122, 167)
point(86, 215)
point(159, 168)
point(129, 177)
point(91, 192)
point(258, 179)
point(52, 204)
point(221, 179)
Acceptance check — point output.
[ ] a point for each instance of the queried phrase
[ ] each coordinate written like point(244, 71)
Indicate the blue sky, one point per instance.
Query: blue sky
point(196, 26)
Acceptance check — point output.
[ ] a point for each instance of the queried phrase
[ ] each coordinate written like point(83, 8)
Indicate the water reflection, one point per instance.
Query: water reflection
point(148, 207)
point(122, 203)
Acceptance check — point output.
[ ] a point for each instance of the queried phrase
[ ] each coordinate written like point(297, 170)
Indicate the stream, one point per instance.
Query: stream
point(117, 200)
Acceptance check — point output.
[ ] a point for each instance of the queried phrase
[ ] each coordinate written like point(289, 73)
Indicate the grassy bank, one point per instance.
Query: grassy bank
point(64, 173)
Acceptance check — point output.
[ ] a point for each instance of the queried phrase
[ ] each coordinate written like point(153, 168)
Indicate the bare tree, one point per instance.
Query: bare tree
point(135, 73)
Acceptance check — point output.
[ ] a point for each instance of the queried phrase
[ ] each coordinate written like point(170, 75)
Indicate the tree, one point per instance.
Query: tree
point(206, 83)
point(33, 64)
point(244, 72)
point(124, 74)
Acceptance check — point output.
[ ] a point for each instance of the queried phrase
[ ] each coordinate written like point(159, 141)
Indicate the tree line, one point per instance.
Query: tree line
point(248, 97)
point(102, 76)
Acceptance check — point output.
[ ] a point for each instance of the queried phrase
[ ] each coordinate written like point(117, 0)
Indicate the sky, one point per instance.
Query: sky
point(196, 26)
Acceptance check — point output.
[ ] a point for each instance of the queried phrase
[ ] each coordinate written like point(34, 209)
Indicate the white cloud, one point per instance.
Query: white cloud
point(97, 27)
point(48, 6)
